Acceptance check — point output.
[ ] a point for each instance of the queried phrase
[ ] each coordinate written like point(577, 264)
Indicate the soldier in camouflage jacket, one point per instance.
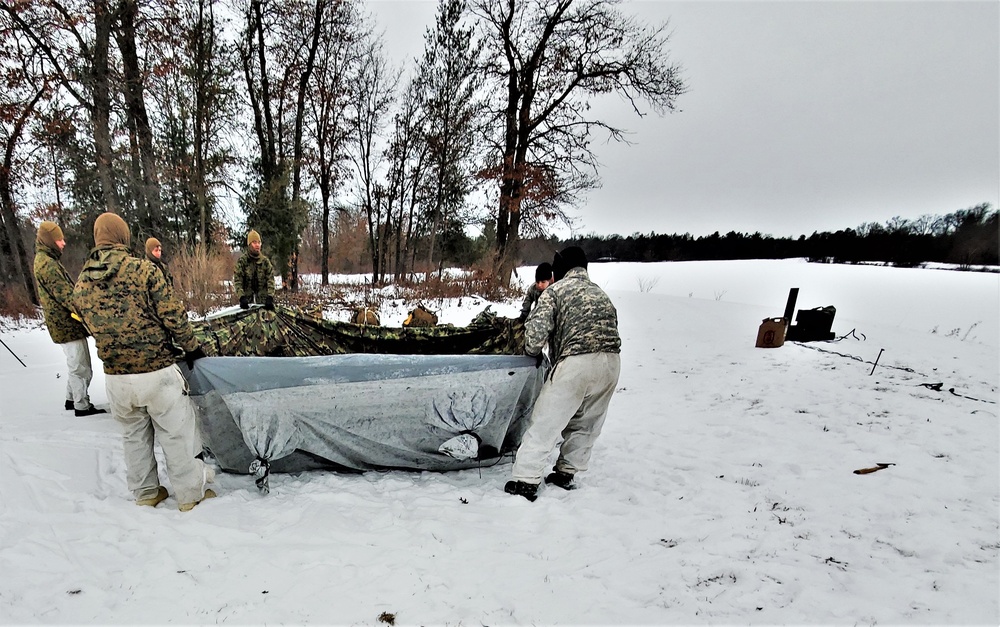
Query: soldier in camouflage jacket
point(580, 324)
point(154, 253)
point(254, 277)
point(55, 291)
point(141, 329)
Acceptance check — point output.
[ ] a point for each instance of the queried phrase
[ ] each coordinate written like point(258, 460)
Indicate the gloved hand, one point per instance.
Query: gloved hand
point(269, 303)
point(539, 358)
point(194, 356)
point(244, 302)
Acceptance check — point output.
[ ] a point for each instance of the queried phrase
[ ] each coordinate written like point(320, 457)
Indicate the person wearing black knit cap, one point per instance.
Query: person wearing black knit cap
point(543, 279)
point(575, 317)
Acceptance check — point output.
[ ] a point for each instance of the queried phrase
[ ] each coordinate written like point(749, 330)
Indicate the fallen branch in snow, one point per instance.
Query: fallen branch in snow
point(875, 468)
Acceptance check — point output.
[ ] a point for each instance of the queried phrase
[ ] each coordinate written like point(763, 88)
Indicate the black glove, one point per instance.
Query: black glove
point(193, 356)
point(269, 303)
point(244, 302)
point(538, 359)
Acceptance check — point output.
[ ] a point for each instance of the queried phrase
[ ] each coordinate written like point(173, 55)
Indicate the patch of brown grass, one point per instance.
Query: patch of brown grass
point(14, 303)
point(481, 281)
point(203, 278)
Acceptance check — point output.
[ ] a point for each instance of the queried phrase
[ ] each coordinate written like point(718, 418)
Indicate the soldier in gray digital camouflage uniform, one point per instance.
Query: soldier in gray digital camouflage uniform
point(142, 331)
point(55, 292)
point(580, 324)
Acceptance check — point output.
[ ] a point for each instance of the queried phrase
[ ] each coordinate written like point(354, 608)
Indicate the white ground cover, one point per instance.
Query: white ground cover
point(721, 491)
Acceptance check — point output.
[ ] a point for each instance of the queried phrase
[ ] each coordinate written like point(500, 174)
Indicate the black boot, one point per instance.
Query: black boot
point(521, 488)
point(90, 411)
point(69, 405)
point(562, 479)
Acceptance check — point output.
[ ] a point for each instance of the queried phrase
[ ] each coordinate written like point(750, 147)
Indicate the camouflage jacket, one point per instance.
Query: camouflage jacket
point(137, 322)
point(530, 299)
point(254, 277)
point(55, 292)
point(162, 267)
point(575, 316)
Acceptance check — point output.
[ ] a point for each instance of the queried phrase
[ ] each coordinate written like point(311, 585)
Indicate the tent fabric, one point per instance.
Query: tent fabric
point(329, 406)
point(288, 332)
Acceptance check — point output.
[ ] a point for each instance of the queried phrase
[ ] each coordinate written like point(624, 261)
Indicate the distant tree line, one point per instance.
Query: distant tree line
point(966, 237)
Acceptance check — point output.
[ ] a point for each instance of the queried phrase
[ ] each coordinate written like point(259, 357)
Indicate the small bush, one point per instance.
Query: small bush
point(202, 278)
point(14, 302)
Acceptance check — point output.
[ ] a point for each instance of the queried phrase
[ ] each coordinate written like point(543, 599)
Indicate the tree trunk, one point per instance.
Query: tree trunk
point(101, 111)
point(201, 115)
point(300, 110)
point(9, 212)
point(324, 191)
point(136, 107)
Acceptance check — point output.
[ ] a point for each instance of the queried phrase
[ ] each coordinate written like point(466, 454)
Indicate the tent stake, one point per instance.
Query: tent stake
point(13, 353)
point(876, 362)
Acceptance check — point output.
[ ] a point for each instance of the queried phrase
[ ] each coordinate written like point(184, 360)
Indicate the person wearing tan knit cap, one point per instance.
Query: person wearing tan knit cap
point(137, 322)
point(154, 252)
point(254, 276)
point(55, 292)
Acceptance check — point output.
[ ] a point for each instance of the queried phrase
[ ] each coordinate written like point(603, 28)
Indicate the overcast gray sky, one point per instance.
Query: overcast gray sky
point(800, 116)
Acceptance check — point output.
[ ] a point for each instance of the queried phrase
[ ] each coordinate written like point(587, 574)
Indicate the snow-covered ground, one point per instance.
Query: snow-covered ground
point(721, 491)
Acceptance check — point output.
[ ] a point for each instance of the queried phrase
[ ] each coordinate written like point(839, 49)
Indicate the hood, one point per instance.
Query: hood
point(45, 249)
point(104, 262)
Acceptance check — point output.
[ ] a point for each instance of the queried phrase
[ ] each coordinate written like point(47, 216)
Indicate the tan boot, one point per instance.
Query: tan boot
point(187, 507)
point(156, 499)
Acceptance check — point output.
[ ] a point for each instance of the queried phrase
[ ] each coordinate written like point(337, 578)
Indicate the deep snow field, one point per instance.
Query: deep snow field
point(721, 490)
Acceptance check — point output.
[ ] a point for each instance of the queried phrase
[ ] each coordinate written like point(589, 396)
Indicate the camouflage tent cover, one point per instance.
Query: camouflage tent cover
point(290, 392)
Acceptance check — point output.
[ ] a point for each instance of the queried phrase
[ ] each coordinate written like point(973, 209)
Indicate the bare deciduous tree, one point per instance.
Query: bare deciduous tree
point(373, 97)
point(337, 61)
point(548, 59)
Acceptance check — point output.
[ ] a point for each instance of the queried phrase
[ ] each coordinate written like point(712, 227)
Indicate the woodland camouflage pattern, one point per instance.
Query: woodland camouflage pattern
point(254, 277)
point(288, 332)
point(575, 316)
point(137, 322)
point(55, 291)
point(162, 267)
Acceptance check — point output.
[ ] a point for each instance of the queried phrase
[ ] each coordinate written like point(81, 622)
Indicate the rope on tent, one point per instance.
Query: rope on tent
point(261, 468)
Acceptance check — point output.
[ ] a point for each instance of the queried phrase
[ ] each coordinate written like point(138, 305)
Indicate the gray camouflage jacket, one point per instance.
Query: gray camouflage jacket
point(575, 316)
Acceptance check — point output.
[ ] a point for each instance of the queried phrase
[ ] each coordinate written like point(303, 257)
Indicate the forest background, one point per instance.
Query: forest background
point(199, 120)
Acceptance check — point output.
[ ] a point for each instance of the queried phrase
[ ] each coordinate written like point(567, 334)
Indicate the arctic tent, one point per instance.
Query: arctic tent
point(284, 391)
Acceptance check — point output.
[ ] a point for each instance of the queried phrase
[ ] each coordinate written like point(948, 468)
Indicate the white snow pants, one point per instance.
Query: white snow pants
point(157, 402)
point(80, 373)
point(572, 404)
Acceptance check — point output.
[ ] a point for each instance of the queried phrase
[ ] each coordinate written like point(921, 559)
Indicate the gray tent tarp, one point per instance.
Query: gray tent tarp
point(362, 411)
